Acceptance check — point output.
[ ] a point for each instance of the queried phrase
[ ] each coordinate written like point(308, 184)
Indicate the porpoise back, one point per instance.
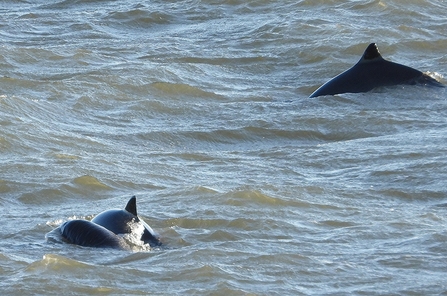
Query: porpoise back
point(88, 234)
point(120, 222)
point(372, 71)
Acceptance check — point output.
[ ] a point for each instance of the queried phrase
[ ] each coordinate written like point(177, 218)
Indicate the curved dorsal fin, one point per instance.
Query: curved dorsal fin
point(371, 52)
point(131, 206)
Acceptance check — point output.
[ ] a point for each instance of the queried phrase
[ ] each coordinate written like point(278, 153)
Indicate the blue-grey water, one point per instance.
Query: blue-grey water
point(201, 110)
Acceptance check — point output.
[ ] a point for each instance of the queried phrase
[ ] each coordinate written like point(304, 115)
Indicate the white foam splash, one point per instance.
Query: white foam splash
point(134, 237)
point(435, 75)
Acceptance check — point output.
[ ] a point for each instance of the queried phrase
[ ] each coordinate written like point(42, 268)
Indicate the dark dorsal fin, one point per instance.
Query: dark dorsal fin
point(131, 206)
point(371, 52)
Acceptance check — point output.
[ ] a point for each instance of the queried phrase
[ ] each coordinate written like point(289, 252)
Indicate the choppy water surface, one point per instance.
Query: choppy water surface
point(201, 109)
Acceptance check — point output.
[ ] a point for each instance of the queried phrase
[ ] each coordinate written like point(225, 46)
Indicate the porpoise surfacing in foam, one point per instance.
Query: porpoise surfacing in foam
point(106, 230)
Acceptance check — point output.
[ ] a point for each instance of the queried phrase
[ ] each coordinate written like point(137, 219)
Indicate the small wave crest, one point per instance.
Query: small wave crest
point(55, 263)
point(138, 18)
point(181, 89)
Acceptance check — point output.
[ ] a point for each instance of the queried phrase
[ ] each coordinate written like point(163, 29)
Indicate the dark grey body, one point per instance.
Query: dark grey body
point(103, 230)
point(119, 222)
point(370, 72)
point(88, 234)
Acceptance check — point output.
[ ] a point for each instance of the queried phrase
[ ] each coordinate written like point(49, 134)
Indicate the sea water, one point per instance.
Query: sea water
point(201, 109)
